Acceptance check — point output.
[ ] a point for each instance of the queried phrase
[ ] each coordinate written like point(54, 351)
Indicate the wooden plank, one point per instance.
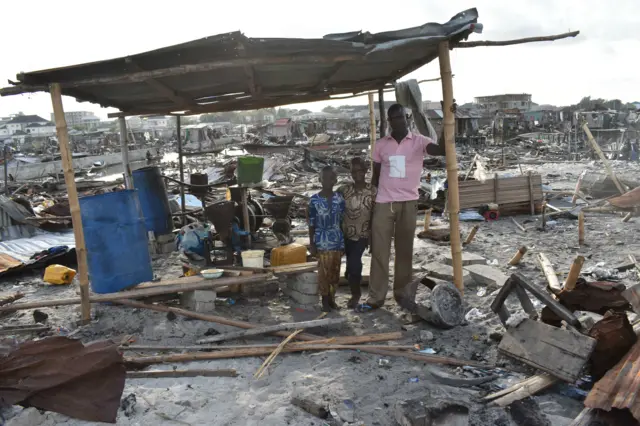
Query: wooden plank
point(604, 159)
point(74, 204)
point(511, 190)
point(558, 352)
point(549, 272)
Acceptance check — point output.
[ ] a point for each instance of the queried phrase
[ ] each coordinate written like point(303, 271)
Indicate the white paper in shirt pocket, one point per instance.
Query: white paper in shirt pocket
point(397, 166)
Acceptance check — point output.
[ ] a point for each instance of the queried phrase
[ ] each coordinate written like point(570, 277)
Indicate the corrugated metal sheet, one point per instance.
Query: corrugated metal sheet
point(23, 248)
point(283, 71)
point(620, 387)
point(11, 212)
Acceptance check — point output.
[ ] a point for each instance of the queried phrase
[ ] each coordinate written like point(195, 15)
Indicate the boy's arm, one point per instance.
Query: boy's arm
point(312, 230)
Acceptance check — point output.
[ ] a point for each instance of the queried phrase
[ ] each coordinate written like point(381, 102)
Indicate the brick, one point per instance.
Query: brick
point(445, 272)
point(202, 301)
point(467, 259)
point(302, 288)
point(487, 275)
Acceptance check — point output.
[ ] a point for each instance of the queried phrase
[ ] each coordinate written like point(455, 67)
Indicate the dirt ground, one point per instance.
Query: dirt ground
point(372, 387)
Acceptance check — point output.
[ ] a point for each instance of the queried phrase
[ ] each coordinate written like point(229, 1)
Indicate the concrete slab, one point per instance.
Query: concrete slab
point(467, 259)
point(487, 275)
point(445, 272)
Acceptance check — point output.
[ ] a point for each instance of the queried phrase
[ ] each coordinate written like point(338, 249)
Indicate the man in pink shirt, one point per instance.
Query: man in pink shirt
point(397, 168)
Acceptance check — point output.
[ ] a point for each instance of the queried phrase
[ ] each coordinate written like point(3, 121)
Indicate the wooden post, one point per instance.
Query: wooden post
point(471, 235)
point(544, 215)
point(245, 215)
point(549, 272)
point(74, 204)
point(581, 228)
point(574, 273)
point(6, 169)
point(518, 256)
point(427, 219)
point(372, 127)
point(181, 165)
point(453, 201)
point(574, 199)
point(383, 117)
point(124, 147)
point(531, 201)
point(607, 165)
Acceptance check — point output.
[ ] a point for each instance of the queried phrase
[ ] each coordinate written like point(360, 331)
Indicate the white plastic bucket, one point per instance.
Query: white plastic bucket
point(253, 258)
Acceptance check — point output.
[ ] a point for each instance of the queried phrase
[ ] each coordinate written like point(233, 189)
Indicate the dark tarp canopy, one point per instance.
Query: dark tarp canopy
point(234, 72)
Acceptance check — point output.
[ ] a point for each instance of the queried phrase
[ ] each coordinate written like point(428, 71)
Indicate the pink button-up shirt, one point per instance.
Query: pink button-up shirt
point(401, 167)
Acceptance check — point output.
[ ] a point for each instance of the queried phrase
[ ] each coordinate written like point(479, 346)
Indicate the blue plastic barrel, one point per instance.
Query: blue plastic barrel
point(116, 240)
point(153, 200)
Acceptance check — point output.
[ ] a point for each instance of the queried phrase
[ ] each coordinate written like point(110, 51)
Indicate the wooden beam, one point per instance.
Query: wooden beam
point(249, 71)
point(124, 146)
point(487, 43)
point(449, 124)
point(372, 128)
point(383, 113)
point(183, 207)
point(74, 204)
point(162, 88)
point(604, 159)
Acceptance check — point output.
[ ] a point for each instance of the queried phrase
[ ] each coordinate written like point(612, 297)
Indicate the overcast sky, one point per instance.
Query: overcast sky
point(599, 62)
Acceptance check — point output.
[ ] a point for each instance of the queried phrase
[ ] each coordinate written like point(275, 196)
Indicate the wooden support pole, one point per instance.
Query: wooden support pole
point(5, 150)
point(372, 127)
point(181, 165)
point(518, 256)
point(427, 219)
point(544, 215)
point(549, 272)
point(245, 215)
point(449, 125)
point(473, 163)
point(74, 204)
point(581, 228)
point(574, 274)
point(471, 235)
point(606, 163)
point(574, 199)
point(531, 201)
point(124, 147)
point(383, 116)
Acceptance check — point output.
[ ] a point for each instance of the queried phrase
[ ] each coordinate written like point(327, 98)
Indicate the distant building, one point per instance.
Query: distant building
point(520, 102)
point(41, 129)
point(20, 123)
point(85, 119)
point(148, 123)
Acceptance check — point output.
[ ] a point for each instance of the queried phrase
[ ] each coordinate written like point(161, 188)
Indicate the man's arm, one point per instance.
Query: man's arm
point(312, 230)
point(436, 149)
point(375, 177)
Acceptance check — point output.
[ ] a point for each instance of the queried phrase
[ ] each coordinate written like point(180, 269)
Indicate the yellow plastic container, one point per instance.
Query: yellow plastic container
point(58, 274)
point(288, 255)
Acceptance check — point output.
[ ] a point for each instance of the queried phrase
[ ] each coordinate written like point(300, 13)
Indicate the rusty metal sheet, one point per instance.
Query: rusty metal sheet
point(620, 387)
point(8, 262)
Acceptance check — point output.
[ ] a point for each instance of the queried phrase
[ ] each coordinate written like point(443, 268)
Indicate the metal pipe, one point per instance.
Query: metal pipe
point(180, 162)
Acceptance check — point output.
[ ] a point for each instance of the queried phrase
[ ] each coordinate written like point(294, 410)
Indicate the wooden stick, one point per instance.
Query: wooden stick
point(581, 228)
point(574, 273)
point(5, 300)
point(531, 200)
point(160, 374)
point(606, 163)
point(453, 200)
point(627, 217)
point(154, 348)
point(549, 272)
point(520, 227)
point(272, 328)
point(524, 389)
point(301, 347)
point(487, 43)
point(267, 362)
point(471, 235)
point(473, 163)
point(427, 219)
point(372, 127)
point(518, 256)
point(574, 199)
point(190, 283)
point(210, 318)
point(544, 215)
point(74, 204)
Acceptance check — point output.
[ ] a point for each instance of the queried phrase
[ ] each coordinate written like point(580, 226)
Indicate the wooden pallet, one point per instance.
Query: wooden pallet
point(505, 191)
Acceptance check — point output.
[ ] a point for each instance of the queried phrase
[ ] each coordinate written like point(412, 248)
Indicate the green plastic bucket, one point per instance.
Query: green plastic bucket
point(250, 170)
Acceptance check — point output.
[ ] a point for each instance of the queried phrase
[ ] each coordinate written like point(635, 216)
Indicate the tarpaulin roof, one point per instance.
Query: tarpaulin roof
point(234, 72)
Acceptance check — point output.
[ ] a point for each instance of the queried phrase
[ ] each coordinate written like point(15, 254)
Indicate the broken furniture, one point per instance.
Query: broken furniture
point(561, 353)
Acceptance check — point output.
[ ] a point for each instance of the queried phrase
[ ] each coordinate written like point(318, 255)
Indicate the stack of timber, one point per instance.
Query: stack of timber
point(513, 194)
